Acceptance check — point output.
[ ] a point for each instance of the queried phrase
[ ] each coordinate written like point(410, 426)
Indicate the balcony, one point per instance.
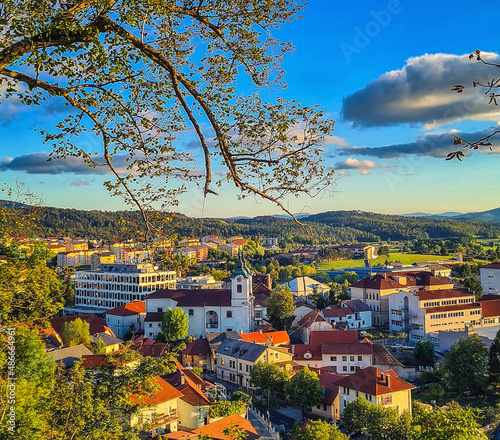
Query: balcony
point(212, 325)
point(159, 420)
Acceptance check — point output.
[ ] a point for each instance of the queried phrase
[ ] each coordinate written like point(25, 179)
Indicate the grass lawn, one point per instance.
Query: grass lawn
point(393, 257)
point(473, 401)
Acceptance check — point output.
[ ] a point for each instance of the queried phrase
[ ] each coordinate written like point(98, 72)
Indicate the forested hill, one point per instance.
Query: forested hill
point(397, 227)
point(328, 227)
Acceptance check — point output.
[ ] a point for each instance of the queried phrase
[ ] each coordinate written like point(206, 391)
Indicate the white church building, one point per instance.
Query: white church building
point(208, 310)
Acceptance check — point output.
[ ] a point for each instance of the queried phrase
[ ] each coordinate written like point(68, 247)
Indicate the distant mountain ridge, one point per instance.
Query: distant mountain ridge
point(490, 215)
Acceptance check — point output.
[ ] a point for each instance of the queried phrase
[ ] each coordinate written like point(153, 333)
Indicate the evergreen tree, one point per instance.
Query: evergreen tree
point(494, 360)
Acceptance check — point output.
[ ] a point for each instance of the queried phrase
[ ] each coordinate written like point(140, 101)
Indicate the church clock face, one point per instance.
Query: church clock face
point(239, 279)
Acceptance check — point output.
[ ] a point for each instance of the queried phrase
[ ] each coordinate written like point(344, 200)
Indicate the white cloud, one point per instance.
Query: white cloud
point(421, 92)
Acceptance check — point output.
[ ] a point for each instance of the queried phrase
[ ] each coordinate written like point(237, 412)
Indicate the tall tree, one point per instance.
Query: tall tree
point(304, 390)
point(270, 378)
point(138, 74)
point(355, 415)
point(174, 325)
point(319, 429)
point(447, 423)
point(424, 353)
point(474, 285)
point(494, 360)
point(280, 308)
point(75, 332)
point(465, 366)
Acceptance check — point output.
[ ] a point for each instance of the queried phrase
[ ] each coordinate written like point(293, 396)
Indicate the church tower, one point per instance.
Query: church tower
point(241, 283)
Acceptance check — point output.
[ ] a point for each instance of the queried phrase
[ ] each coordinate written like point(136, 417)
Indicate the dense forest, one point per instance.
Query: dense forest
point(325, 228)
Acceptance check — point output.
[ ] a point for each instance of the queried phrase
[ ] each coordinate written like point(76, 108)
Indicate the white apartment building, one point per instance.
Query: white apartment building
point(117, 284)
point(490, 278)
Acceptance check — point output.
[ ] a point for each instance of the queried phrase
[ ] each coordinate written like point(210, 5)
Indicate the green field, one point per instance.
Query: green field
point(393, 258)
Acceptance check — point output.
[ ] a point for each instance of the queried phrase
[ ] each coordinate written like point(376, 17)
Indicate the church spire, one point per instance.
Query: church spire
point(241, 267)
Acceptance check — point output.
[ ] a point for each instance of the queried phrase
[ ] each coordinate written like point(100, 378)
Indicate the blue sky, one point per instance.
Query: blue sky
point(383, 70)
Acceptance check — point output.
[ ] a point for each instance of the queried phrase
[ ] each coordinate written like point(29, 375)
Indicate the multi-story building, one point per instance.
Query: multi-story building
point(423, 313)
point(378, 387)
point(490, 278)
point(117, 284)
point(235, 360)
point(201, 252)
point(376, 290)
point(99, 258)
point(127, 317)
point(231, 249)
point(186, 242)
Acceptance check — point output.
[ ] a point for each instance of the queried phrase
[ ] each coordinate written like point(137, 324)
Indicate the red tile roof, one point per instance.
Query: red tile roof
point(199, 347)
point(372, 380)
point(275, 338)
point(336, 312)
point(216, 429)
point(96, 325)
point(181, 435)
point(491, 266)
point(425, 295)
point(378, 282)
point(490, 308)
point(132, 308)
point(456, 308)
point(195, 298)
point(328, 382)
point(300, 350)
point(165, 393)
point(333, 336)
point(152, 350)
point(347, 348)
point(311, 318)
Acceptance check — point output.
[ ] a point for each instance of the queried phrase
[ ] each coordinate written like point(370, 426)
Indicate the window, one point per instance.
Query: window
point(222, 361)
point(352, 367)
point(241, 366)
point(333, 358)
point(229, 314)
point(239, 288)
point(159, 310)
point(191, 312)
point(150, 325)
point(360, 358)
point(351, 358)
point(344, 368)
point(344, 358)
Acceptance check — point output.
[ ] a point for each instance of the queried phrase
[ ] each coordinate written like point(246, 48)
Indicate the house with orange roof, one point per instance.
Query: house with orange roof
point(378, 387)
point(159, 410)
point(215, 430)
point(312, 322)
point(125, 317)
point(269, 338)
point(193, 405)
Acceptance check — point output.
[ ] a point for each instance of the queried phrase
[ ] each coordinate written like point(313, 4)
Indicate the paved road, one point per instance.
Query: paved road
point(278, 418)
point(259, 426)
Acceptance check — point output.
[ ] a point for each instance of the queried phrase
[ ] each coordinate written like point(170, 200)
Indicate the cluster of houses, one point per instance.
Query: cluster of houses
point(227, 320)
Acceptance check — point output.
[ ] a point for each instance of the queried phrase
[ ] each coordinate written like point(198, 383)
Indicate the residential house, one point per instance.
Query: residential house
point(99, 258)
point(423, 313)
point(359, 250)
point(313, 321)
point(378, 387)
point(490, 311)
point(266, 338)
point(187, 242)
point(148, 347)
point(490, 278)
point(198, 282)
point(215, 430)
point(201, 252)
point(96, 324)
point(353, 314)
point(302, 308)
point(329, 407)
point(126, 318)
point(237, 240)
point(112, 343)
point(305, 286)
point(235, 360)
point(69, 355)
point(193, 405)
point(198, 354)
point(160, 408)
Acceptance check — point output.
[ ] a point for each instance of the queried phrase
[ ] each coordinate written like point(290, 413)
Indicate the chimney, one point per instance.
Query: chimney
point(183, 379)
point(388, 380)
point(260, 331)
point(385, 275)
